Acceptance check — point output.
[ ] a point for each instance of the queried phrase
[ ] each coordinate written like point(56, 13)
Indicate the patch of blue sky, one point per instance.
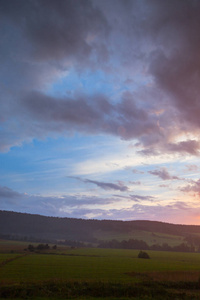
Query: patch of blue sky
point(88, 82)
point(43, 166)
point(27, 157)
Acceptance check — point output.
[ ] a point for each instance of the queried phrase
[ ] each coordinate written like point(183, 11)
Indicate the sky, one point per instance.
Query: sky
point(99, 109)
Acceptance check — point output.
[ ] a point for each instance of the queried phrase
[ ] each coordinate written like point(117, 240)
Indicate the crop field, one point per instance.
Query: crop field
point(12, 246)
point(96, 265)
point(84, 273)
point(149, 237)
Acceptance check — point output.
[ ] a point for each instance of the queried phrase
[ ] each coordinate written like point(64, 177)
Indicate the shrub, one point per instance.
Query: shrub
point(143, 254)
point(31, 248)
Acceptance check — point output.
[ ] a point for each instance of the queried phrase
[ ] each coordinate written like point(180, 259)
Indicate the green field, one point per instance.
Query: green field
point(85, 272)
point(149, 237)
point(95, 264)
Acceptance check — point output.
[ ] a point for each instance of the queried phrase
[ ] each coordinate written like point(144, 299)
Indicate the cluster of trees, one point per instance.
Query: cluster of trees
point(40, 247)
point(138, 244)
point(76, 244)
point(143, 254)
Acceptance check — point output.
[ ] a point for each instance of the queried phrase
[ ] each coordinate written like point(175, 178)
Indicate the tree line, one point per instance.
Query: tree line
point(40, 247)
point(139, 244)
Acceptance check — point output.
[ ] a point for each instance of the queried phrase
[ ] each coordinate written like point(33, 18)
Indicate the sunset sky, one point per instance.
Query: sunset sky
point(100, 109)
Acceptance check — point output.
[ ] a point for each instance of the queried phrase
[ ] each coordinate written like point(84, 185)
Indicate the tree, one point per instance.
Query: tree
point(31, 248)
point(143, 254)
point(41, 247)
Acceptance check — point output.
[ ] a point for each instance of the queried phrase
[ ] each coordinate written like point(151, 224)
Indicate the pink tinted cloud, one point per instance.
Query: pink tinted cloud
point(193, 187)
point(135, 171)
point(192, 168)
point(164, 174)
point(164, 185)
point(190, 146)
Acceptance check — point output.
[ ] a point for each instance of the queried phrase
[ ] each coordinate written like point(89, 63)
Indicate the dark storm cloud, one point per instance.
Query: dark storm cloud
point(176, 68)
point(40, 40)
point(163, 174)
point(56, 29)
point(92, 114)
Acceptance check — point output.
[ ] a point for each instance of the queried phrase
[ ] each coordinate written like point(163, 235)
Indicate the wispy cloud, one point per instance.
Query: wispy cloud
point(164, 185)
point(135, 182)
point(164, 174)
point(106, 185)
point(135, 171)
point(194, 187)
point(138, 198)
point(192, 168)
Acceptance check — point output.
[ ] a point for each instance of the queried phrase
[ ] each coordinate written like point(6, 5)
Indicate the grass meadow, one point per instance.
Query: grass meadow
point(91, 273)
point(147, 236)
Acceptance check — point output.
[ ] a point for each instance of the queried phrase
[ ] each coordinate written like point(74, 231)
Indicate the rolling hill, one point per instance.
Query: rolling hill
point(22, 226)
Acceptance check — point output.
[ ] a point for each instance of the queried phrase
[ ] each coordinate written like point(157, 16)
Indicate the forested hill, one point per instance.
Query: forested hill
point(29, 226)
